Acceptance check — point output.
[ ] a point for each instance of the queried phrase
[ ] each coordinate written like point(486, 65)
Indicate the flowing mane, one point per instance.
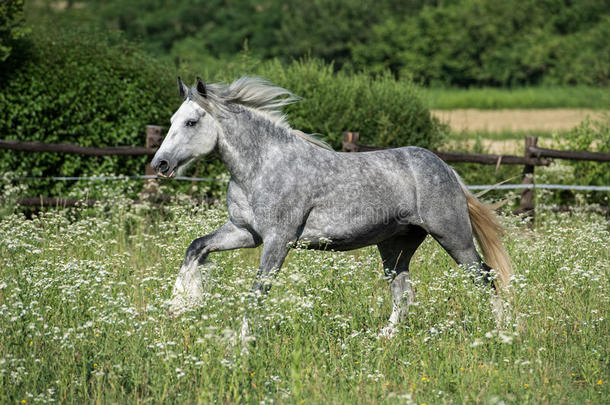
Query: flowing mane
point(258, 95)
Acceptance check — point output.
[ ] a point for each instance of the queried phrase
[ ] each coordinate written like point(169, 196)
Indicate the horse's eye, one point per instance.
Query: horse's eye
point(191, 123)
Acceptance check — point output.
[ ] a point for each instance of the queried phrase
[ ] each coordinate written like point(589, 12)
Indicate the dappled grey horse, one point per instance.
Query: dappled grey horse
point(288, 187)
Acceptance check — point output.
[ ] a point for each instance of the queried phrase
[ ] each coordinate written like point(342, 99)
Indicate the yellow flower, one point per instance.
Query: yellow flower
point(31, 343)
point(599, 382)
point(23, 401)
point(526, 385)
point(252, 373)
point(388, 383)
point(462, 368)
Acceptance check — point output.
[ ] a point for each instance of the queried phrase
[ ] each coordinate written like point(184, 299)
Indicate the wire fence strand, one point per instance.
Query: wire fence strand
point(213, 179)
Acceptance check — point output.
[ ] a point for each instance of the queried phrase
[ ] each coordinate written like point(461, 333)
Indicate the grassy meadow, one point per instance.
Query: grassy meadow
point(492, 98)
point(83, 317)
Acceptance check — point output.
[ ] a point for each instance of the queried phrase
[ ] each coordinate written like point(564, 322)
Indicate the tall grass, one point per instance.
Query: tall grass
point(83, 319)
point(529, 97)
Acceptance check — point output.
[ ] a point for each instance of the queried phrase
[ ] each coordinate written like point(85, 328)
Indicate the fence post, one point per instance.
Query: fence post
point(154, 138)
point(526, 206)
point(350, 141)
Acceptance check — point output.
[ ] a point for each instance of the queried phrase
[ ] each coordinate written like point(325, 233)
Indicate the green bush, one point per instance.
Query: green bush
point(81, 86)
point(385, 111)
point(11, 26)
point(458, 42)
point(588, 136)
point(285, 29)
point(494, 43)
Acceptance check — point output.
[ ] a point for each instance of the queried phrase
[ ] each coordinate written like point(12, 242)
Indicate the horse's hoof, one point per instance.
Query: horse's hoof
point(499, 312)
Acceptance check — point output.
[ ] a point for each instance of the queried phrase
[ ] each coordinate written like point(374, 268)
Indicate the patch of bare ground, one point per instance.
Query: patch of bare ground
point(516, 120)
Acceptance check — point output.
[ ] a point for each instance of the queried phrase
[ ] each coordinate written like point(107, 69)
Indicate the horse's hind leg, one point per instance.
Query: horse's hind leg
point(446, 218)
point(455, 236)
point(396, 254)
point(454, 233)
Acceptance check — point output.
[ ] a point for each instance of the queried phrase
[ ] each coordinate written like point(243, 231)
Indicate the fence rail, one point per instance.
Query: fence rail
point(76, 149)
point(569, 154)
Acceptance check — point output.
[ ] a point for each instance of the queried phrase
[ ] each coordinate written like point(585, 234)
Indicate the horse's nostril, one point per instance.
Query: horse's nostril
point(163, 166)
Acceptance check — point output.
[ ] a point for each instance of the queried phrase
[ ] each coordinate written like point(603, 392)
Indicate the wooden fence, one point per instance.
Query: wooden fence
point(154, 137)
point(533, 156)
point(153, 141)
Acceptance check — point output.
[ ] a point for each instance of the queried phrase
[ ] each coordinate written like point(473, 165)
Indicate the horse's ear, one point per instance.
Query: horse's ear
point(182, 89)
point(201, 88)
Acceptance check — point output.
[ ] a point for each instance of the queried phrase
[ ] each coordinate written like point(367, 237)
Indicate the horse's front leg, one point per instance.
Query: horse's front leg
point(188, 289)
point(275, 250)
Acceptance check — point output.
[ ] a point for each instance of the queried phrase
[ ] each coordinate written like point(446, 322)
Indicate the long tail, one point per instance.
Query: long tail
point(487, 230)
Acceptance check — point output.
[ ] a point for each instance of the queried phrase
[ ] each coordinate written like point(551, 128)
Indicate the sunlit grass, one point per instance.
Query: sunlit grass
point(527, 97)
point(83, 319)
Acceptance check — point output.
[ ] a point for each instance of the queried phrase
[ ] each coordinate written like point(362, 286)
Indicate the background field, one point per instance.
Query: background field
point(83, 318)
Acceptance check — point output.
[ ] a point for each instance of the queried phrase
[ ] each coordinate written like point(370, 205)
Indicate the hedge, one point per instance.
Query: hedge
point(76, 85)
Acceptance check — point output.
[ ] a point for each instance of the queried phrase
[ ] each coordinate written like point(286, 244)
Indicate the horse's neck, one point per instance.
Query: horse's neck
point(245, 142)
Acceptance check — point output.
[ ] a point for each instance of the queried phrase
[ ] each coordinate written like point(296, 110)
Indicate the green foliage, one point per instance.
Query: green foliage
point(528, 97)
point(588, 136)
point(458, 42)
point(327, 29)
point(591, 136)
point(474, 42)
point(272, 28)
point(386, 112)
point(11, 26)
point(80, 86)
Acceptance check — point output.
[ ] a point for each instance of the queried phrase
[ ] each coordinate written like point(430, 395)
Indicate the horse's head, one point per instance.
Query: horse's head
point(193, 133)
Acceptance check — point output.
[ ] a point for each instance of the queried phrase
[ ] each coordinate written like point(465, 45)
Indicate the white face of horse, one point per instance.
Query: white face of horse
point(193, 133)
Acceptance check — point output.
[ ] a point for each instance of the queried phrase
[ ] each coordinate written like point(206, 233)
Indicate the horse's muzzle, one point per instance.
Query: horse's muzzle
point(163, 168)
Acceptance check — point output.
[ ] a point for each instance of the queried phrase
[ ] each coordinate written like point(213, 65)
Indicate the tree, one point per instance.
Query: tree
point(11, 26)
